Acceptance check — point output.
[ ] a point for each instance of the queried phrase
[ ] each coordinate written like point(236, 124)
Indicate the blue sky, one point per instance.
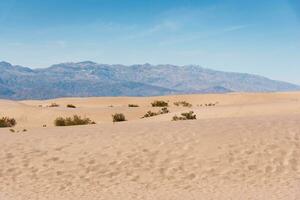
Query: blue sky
point(254, 36)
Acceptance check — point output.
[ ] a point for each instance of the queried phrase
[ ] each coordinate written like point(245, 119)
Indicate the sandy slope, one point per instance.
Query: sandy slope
point(245, 147)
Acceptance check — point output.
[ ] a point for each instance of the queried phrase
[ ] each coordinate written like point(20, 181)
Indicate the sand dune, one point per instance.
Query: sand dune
point(245, 147)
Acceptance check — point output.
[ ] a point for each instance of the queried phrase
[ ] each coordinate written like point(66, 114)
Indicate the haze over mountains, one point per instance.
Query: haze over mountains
point(91, 79)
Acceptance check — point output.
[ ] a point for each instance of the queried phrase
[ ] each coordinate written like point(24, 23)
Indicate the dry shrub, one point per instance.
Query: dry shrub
point(133, 105)
point(72, 121)
point(7, 122)
point(183, 103)
point(159, 104)
point(53, 105)
point(118, 117)
point(185, 116)
point(151, 114)
point(71, 106)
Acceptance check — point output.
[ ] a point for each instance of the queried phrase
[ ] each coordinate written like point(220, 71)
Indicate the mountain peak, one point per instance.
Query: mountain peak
point(5, 64)
point(87, 62)
point(88, 78)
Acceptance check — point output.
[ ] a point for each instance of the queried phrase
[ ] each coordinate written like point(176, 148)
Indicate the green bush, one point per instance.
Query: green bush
point(185, 116)
point(7, 122)
point(133, 105)
point(72, 121)
point(71, 106)
point(183, 103)
point(118, 117)
point(159, 104)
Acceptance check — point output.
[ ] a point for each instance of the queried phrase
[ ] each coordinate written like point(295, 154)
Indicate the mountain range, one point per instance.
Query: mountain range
point(88, 78)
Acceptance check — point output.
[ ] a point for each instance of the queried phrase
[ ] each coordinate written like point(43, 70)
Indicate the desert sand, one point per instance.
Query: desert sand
point(247, 146)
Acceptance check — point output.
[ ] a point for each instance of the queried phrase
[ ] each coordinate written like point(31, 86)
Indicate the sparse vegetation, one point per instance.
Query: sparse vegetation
point(71, 106)
point(118, 117)
point(211, 104)
point(72, 121)
point(12, 130)
point(7, 122)
point(159, 104)
point(183, 103)
point(164, 110)
point(151, 114)
point(185, 116)
point(53, 105)
point(133, 105)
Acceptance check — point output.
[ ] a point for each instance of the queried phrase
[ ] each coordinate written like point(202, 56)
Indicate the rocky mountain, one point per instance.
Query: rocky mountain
point(92, 79)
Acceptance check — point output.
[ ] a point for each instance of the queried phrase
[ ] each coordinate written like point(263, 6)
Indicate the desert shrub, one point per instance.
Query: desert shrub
point(185, 116)
point(159, 104)
point(133, 105)
point(151, 114)
point(53, 105)
point(189, 115)
point(7, 122)
point(72, 121)
point(176, 118)
point(60, 121)
point(118, 117)
point(164, 110)
point(71, 106)
point(12, 130)
point(183, 103)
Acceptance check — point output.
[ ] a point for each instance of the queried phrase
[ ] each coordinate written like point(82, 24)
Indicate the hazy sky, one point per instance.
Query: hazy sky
point(254, 36)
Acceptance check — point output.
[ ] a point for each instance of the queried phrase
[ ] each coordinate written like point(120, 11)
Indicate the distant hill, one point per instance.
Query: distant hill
point(87, 78)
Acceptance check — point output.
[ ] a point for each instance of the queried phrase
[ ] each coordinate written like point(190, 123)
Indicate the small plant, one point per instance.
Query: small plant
point(72, 121)
point(164, 110)
point(159, 104)
point(133, 105)
point(53, 105)
point(7, 122)
point(150, 114)
point(12, 130)
point(189, 115)
point(210, 104)
point(118, 117)
point(24, 130)
point(183, 103)
point(185, 116)
point(71, 106)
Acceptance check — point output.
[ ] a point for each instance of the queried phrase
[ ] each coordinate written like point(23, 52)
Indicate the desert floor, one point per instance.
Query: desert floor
point(247, 146)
